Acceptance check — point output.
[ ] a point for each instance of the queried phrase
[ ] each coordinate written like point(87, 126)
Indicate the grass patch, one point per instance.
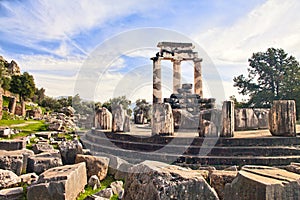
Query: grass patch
point(104, 184)
point(30, 128)
point(6, 122)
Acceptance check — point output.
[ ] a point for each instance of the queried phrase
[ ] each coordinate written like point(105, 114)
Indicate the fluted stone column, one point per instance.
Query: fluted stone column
point(282, 118)
point(198, 77)
point(227, 119)
point(157, 92)
point(176, 75)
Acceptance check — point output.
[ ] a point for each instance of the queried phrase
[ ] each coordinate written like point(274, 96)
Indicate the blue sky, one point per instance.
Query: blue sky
point(54, 39)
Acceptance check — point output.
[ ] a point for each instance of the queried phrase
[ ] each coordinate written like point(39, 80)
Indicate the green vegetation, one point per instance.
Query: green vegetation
point(8, 123)
point(142, 106)
point(118, 101)
point(5, 101)
point(104, 184)
point(272, 75)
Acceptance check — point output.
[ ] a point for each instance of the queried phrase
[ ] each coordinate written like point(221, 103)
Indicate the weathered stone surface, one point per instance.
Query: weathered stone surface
point(12, 193)
point(42, 147)
point(43, 161)
point(118, 167)
point(227, 119)
point(293, 167)
point(5, 132)
point(11, 145)
point(106, 193)
point(120, 121)
point(282, 118)
point(117, 188)
point(95, 165)
point(260, 182)
point(15, 161)
point(29, 178)
point(210, 123)
point(94, 182)
point(184, 120)
point(251, 118)
point(60, 183)
point(162, 119)
point(8, 179)
point(45, 134)
point(35, 113)
point(103, 119)
point(155, 180)
point(69, 150)
point(219, 178)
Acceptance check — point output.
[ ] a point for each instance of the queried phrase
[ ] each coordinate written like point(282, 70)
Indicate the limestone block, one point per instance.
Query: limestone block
point(219, 178)
point(60, 183)
point(282, 118)
point(209, 123)
point(11, 145)
point(106, 193)
point(155, 180)
point(117, 188)
point(227, 119)
point(8, 179)
point(15, 161)
point(94, 182)
point(12, 193)
point(95, 165)
point(262, 117)
point(69, 150)
point(103, 119)
point(162, 119)
point(245, 119)
point(260, 182)
point(43, 161)
point(29, 178)
point(42, 147)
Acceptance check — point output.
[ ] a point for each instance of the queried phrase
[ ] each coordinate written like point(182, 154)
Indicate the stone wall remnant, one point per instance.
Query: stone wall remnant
point(162, 119)
point(103, 119)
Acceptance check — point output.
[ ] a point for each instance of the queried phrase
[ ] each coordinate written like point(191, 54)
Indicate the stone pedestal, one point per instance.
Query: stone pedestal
point(227, 119)
point(282, 118)
point(162, 119)
point(103, 119)
point(23, 109)
point(12, 105)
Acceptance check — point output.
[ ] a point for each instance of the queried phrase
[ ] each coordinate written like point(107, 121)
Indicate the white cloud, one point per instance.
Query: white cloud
point(272, 24)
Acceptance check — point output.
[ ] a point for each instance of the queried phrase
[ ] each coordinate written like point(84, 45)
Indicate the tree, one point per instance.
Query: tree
point(23, 85)
point(272, 75)
point(122, 100)
point(142, 106)
point(5, 83)
point(39, 95)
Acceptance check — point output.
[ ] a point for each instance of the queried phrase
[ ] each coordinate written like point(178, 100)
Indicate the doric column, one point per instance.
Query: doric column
point(198, 77)
point(157, 92)
point(176, 75)
point(227, 119)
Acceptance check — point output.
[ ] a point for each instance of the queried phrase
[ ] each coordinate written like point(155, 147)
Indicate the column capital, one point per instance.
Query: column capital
point(176, 61)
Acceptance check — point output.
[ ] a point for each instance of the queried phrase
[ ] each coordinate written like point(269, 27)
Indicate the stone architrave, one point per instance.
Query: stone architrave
point(282, 118)
point(119, 123)
point(162, 119)
point(198, 77)
point(103, 119)
point(1, 103)
point(156, 180)
point(227, 119)
point(261, 182)
point(12, 105)
point(59, 183)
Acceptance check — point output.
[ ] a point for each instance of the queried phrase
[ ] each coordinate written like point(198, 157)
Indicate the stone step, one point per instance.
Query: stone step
point(135, 156)
point(196, 150)
point(198, 141)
